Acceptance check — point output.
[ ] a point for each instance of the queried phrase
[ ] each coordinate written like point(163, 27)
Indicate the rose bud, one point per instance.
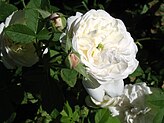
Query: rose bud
point(58, 21)
point(72, 60)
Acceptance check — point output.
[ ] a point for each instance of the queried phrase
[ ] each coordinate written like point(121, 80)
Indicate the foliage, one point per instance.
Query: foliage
point(50, 91)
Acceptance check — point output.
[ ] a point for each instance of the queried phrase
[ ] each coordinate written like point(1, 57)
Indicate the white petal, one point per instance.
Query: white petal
point(110, 103)
point(62, 36)
point(72, 19)
point(136, 91)
point(94, 89)
point(114, 88)
point(8, 19)
point(2, 25)
point(114, 111)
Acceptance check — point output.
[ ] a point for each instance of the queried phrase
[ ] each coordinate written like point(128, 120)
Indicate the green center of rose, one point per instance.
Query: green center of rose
point(100, 46)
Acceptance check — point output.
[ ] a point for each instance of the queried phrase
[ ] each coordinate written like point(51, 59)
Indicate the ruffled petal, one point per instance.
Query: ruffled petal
point(133, 92)
point(114, 88)
point(114, 111)
point(72, 19)
point(111, 103)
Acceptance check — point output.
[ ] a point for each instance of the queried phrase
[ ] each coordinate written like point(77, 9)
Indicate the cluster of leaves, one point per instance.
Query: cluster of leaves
point(52, 92)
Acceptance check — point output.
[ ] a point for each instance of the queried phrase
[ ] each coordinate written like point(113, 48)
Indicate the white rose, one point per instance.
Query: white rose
point(130, 106)
point(14, 55)
point(135, 96)
point(106, 49)
point(104, 45)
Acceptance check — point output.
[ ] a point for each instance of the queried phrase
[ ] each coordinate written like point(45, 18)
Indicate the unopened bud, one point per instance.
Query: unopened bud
point(72, 60)
point(58, 21)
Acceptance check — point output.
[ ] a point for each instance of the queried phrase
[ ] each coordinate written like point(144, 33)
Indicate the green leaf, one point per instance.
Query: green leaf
point(81, 69)
point(54, 53)
point(32, 19)
point(69, 76)
point(45, 5)
point(66, 43)
point(156, 98)
point(159, 118)
point(20, 33)
point(43, 35)
point(75, 116)
point(103, 116)
point(54, 74)
point(28, 97)
point(84, 112)
point(137, 72)
point(145, 9)
point(11, 118)
point(68, 116)
point(67, 110)
point(39, 4)
point(18, 18)
point(6, 10)
point(56, 36)
point(65, 119)
point(34, 4)
point(54, 8)
point(54, 113)
point(43, 13)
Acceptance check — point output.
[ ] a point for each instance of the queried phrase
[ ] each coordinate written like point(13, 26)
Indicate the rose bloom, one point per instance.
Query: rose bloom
point(106, 49)
point(15, 55)
point(130, 106)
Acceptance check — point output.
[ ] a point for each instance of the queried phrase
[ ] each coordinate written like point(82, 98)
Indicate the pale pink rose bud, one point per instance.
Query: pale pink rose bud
point(73, 60)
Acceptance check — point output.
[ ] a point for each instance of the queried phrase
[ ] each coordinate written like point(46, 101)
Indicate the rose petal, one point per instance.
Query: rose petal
point(136, 91)
point(72, 19)
point(8, 19)
point(2, 25)
point(114, 111)
point(94, 89)
point(109, 102)
point(114, 88)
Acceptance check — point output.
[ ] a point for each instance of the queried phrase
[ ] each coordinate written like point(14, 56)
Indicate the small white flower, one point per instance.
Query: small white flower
point(14, 55)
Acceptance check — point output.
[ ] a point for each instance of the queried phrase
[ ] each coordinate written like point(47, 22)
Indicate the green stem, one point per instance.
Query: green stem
point(84, 4)
point(24, 5)
point(82, 120)
point(146, 39)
